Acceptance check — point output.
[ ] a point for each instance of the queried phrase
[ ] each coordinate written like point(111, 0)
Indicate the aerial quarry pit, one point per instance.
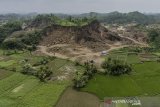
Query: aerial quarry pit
point(81, 53)
point(86, 43)
point(80, 60)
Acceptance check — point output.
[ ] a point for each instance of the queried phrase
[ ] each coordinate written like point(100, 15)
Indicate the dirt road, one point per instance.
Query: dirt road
point(84, 54)
point(43, 49)
point(134, 41)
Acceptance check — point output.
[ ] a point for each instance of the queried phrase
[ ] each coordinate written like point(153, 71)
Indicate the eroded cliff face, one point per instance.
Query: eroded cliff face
point(93, 36)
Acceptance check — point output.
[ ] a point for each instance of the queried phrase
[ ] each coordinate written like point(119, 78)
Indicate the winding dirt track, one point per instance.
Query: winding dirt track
point(43, 49)
point(135, 41)
point(88, 53)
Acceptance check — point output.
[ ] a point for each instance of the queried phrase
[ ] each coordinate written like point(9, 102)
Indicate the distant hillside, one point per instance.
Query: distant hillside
point(122, 18)
point(23, 34)
point(113, 17)
point(14, 16)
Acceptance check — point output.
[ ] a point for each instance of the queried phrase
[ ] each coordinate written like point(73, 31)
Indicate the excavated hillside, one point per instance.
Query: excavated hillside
point(93, 36)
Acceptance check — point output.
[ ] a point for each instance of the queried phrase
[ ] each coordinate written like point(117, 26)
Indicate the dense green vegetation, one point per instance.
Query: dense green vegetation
point(47, 20)
point(23, 41)
point(82, 77)
point(154, 36)
point(8, 29)
point(116, 67)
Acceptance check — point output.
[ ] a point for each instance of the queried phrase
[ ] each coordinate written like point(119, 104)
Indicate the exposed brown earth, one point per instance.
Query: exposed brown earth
point(94, 36)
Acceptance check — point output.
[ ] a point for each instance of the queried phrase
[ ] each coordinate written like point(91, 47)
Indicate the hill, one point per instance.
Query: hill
point(48, 30)
point(93, 36)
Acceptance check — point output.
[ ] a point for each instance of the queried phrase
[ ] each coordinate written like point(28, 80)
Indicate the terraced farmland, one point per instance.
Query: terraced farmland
point(19, 90)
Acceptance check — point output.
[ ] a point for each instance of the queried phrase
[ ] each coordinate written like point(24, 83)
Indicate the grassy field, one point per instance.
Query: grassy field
point(143, 81)
point(26, 91)
point(104, 86)
point(127, 57)
point(6, 63)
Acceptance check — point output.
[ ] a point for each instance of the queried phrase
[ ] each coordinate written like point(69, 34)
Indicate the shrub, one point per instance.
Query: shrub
point(28, 69)
point(81, 82)
point(43, 61)
point(90, 69)
point(43, 73)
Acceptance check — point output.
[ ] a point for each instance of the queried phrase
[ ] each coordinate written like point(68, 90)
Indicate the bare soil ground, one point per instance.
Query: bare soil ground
point(80, 53)
point(135, 41)
point(93, 36)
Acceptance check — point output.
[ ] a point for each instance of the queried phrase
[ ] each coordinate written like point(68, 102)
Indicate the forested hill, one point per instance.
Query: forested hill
point(120, 18)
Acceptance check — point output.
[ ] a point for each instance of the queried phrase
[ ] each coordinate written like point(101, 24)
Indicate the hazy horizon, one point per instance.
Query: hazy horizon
point(78, 6)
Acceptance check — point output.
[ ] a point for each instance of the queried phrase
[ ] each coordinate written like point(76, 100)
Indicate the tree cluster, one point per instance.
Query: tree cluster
point(9, 28)
point(42, 72)
point(154, 37)
point(23, 41)
point(43, 61)
point(116, 67)
point(79, 21)
point(82, 78)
